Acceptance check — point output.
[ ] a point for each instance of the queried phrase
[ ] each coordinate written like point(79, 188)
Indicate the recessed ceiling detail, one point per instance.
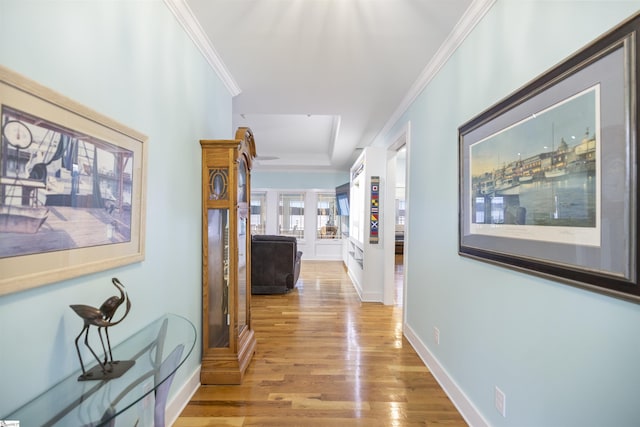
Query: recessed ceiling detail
point(318, 79)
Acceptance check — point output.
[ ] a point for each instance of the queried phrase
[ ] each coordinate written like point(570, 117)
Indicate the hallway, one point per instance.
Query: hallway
point(325, 359)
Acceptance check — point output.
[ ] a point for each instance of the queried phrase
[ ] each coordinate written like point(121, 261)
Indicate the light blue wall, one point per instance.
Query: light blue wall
point(562, 355)
point(131, 61)
point(298, 180)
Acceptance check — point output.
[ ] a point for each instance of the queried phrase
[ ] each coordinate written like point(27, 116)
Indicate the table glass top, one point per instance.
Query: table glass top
point(157, 351)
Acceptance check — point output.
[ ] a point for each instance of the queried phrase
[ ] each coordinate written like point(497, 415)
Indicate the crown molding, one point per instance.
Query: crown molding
point(472, 16)
point(184, 15)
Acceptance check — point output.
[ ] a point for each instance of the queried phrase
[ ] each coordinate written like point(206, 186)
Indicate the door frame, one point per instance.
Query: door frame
point(403, 138)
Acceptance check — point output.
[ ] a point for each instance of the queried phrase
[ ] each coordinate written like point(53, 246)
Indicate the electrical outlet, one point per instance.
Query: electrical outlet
point(436, 335)
point(501, 402)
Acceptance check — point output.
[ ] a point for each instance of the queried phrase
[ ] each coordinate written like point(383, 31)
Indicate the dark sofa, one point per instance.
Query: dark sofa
point(275, 264)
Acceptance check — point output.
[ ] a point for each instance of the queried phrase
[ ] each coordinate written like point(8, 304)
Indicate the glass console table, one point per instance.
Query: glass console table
point(135, 398)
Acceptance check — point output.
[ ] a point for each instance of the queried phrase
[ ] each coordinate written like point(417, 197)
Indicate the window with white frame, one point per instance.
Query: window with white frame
point(291, 214)
point(258, 212)
point(326, 219)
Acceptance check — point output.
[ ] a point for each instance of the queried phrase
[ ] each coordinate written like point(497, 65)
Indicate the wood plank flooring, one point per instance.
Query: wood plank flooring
point(324, 358)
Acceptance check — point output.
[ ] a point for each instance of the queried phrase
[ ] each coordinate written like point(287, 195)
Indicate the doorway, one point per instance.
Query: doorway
point(396, 204)
point(400, 219)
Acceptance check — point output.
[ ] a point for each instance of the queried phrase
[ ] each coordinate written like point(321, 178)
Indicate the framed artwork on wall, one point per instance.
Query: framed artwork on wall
point(548, 176)
point(72, 188)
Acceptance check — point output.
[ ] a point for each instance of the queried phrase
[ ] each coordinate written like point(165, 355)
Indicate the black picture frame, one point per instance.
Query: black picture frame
point(548, 176)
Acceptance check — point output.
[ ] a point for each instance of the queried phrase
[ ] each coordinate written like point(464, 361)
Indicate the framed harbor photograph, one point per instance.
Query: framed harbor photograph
point(72, 188)
point(548, 176)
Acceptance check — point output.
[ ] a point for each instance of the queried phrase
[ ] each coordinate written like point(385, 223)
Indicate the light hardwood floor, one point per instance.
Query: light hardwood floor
point(324, 358)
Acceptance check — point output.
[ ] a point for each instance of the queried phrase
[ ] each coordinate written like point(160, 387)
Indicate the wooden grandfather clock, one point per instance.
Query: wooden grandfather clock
point(228, 342)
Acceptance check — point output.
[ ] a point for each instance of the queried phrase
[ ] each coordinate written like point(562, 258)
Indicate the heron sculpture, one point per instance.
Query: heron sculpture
point(102, 318)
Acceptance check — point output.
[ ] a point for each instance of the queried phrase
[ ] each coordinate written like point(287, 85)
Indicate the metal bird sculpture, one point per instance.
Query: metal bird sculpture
point(101, 318)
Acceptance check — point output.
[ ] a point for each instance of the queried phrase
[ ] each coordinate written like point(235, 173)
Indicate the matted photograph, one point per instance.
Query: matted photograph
point(548, 176)
point(71, 188)
point(541, 173)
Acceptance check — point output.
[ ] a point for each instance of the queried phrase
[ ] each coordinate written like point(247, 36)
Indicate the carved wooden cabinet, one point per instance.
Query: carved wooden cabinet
point(228, 342)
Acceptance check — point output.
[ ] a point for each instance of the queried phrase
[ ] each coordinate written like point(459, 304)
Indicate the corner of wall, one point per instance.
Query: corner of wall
point(460, 400)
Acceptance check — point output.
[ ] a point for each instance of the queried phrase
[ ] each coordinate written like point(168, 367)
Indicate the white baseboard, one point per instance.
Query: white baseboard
point(182, 398)
point(364, 296)
point(356, 284)
point(467, 409)
point(371, 297)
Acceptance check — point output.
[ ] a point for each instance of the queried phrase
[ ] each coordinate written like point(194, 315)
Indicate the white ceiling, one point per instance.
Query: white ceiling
point(318, 79)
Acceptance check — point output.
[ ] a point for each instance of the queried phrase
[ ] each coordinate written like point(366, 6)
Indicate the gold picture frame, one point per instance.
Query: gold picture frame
point(72, 188)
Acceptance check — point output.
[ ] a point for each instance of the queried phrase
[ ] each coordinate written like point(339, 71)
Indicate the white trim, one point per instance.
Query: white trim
point(355, 283)
point(183, 397)
point(388, 226)
point(472, 16)
point(371, 297)
point(465, 406)
point(184, 15)
point(364, 297)
point(402, 138)
point(335, 130)
point(407, 222)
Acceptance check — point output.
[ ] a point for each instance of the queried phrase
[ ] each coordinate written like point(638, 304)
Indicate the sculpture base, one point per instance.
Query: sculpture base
point(114, 369)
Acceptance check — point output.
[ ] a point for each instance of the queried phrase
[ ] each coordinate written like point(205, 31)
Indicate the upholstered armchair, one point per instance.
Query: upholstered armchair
point(275, 264)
